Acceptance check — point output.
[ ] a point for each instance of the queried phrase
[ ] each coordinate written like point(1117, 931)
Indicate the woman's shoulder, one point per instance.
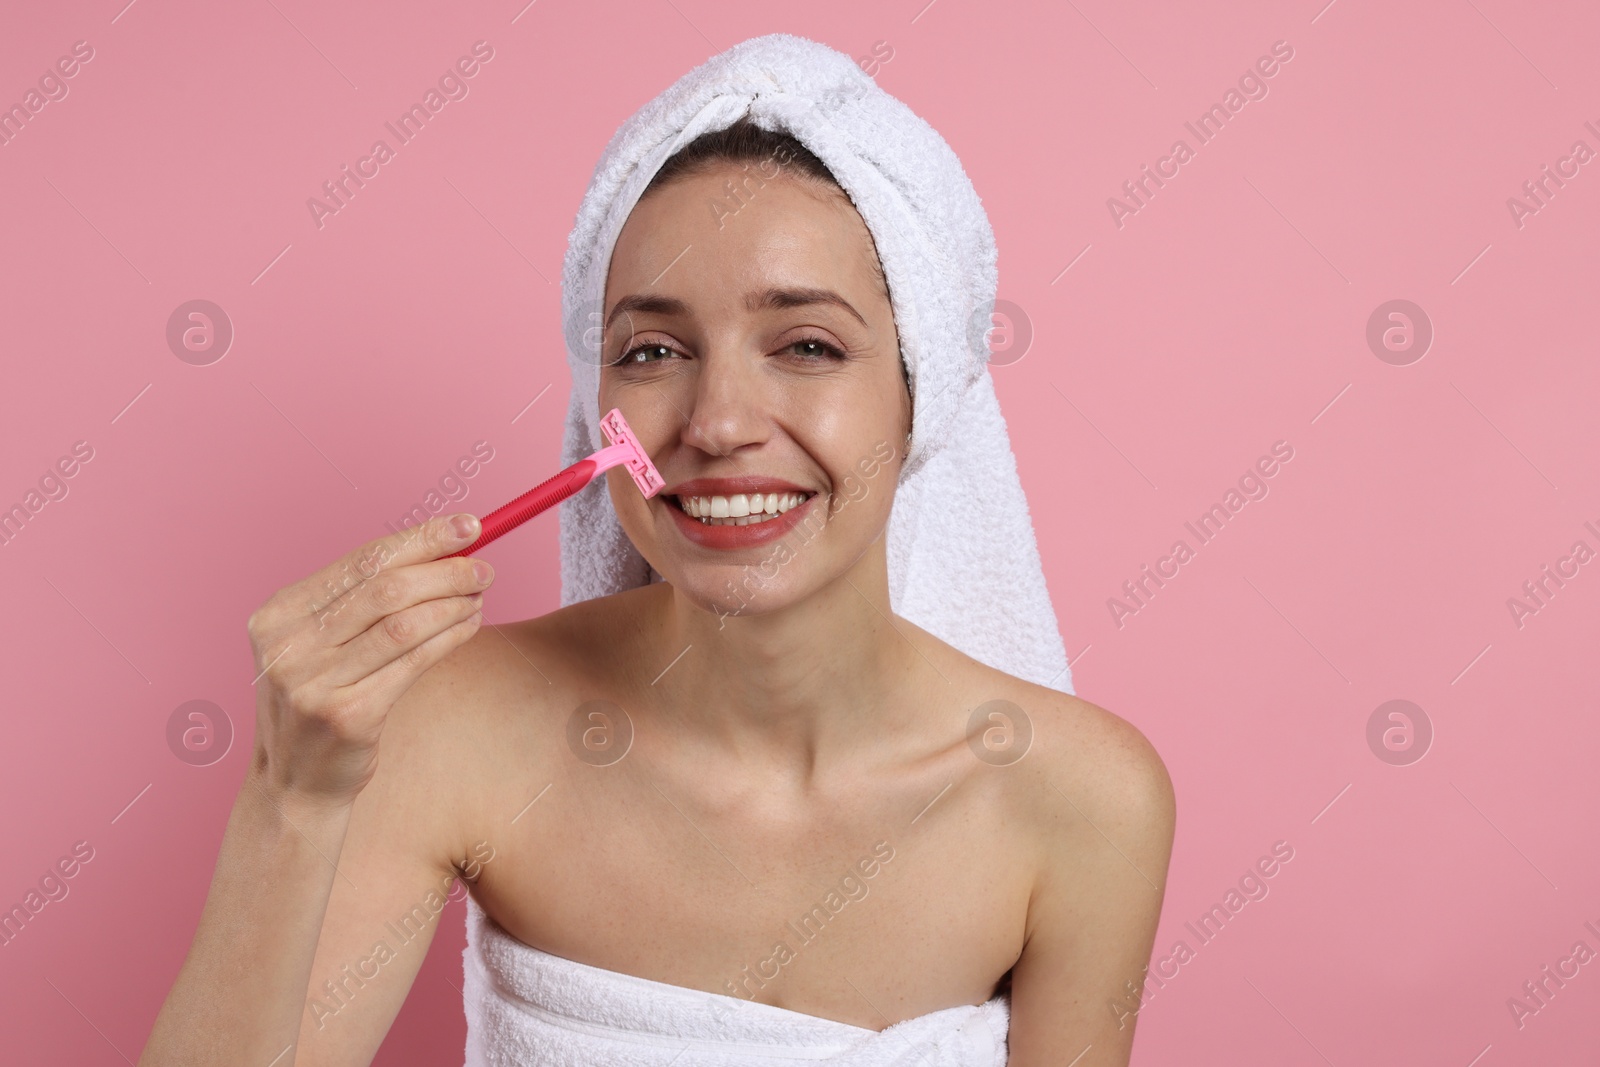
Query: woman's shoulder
point(1085, 791)
point(1062, 746)
point(477, 727)
point(505, 695)
point(550, 649)
point(1103, 754)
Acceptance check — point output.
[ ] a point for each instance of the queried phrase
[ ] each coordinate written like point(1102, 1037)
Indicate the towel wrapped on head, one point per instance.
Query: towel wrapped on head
point(963, 561)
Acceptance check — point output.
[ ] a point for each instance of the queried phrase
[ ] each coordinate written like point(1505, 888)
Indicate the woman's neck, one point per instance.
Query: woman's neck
point(787, 690)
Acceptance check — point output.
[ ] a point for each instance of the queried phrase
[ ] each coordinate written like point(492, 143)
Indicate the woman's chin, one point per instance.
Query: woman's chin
point(727, 591)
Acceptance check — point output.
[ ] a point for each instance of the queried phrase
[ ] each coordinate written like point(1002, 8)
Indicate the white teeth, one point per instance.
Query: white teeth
point(739, 509)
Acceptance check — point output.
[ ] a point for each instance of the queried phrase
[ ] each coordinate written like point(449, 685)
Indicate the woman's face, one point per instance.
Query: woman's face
point(751, 346)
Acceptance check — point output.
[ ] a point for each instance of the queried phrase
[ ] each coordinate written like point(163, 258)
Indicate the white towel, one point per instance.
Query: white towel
point(526, 1007)
point(963, 562)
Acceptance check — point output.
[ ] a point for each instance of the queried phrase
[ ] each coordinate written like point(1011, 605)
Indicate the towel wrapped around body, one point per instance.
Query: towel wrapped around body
point(527, 1007)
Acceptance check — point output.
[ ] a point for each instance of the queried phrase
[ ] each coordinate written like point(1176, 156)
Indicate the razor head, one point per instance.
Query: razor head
point(644, 473)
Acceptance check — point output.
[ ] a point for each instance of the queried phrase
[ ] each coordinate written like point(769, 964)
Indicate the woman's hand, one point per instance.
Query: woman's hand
point(336, 651)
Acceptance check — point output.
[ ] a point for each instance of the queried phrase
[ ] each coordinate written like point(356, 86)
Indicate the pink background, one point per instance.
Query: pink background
point(1228, 313)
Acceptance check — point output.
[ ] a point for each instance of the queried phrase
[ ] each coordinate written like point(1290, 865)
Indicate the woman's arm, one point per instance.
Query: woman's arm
point(1108, 816)
point(239, 994)
point(290, 951)
point(326, 844)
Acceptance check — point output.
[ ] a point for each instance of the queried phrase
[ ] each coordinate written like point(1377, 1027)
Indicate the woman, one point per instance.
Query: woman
point(765, 807)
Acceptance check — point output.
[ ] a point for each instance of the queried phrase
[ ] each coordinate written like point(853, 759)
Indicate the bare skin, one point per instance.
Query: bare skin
point(779, 742)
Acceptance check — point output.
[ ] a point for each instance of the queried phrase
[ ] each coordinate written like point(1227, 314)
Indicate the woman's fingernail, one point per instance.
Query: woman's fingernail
point(484, 572)
point(465, 525)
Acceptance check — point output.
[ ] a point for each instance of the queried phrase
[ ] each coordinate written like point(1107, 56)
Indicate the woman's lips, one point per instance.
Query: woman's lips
point(734, 537)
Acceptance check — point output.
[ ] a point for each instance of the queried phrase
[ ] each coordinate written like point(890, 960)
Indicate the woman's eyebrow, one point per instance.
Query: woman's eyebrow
point(649, 305)
point(760, 300)
point(775, 299)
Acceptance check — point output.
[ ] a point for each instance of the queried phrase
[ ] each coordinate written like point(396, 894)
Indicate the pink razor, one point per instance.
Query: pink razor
point(624, 451)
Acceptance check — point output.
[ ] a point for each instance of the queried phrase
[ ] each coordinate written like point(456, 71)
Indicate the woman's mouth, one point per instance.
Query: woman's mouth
point(740, 509)
point(733, 521)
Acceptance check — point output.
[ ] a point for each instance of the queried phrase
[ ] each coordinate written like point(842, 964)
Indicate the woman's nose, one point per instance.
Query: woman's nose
point(729, 409)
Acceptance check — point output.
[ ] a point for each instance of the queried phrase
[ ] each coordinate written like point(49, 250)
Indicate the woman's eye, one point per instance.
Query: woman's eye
point(810, 348)
point(815, 349)
point(647, 354)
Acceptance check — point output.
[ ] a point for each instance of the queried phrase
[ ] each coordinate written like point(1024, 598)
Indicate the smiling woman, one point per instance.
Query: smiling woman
point(777, 334)
point(677, 763)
